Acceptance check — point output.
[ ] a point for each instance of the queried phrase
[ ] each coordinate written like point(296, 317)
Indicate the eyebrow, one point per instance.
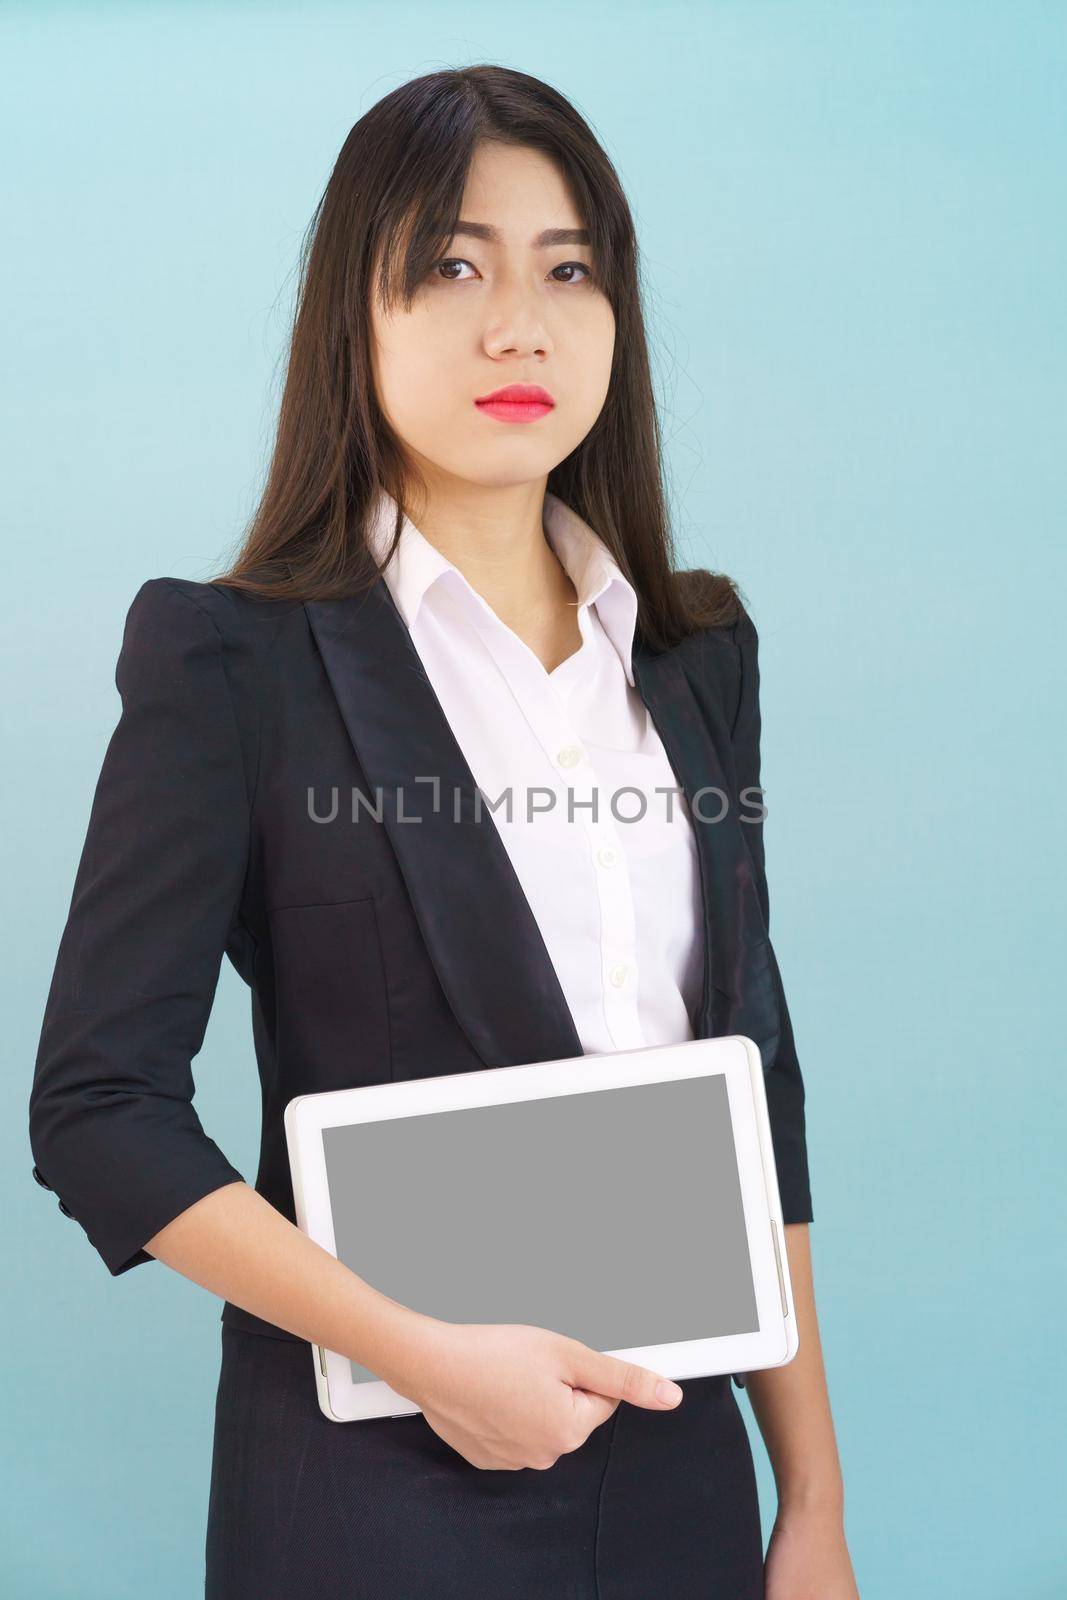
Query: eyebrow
point(544, 240)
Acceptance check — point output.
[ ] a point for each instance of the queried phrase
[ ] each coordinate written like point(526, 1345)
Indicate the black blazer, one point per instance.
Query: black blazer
point(373, 950)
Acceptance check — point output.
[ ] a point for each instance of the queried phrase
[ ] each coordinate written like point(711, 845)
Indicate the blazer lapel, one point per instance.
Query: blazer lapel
point(480, 932)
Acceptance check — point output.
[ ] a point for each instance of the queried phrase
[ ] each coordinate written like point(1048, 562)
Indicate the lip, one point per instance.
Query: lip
point(519, 394)
point(516, 402)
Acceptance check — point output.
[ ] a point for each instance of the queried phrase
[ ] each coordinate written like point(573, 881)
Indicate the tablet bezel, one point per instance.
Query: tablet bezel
point(734, 1057)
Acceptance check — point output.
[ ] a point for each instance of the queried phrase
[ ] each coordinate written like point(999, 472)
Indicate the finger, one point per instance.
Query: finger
point(592, 1408)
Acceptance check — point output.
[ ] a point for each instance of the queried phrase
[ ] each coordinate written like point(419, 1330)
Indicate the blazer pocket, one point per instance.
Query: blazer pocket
point(331, 998)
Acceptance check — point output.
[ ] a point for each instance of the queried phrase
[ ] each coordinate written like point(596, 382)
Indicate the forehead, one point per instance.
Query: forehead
point(518, 190)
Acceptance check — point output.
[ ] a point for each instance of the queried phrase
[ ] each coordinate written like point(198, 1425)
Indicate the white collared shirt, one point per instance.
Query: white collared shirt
point(617, 901)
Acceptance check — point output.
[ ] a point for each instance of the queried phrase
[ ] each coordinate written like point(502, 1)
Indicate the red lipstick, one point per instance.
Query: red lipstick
point(517, 402)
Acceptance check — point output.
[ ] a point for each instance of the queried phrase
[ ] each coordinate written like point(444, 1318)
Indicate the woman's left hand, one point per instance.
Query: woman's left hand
point(808, 1559)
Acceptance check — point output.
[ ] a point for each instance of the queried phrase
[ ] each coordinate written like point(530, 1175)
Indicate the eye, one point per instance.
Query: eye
point(458, 261)
point(569, 266)
point(450, 261)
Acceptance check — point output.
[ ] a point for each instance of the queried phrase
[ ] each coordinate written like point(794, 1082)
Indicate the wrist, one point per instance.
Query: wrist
point(820, 1498)
point(417, 1346)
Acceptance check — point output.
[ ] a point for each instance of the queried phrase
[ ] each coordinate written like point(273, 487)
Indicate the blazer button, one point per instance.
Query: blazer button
point(65, 1209)
point(40, 1179)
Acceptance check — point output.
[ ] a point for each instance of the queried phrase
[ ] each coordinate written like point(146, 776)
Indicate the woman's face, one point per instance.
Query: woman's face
point(499, 307)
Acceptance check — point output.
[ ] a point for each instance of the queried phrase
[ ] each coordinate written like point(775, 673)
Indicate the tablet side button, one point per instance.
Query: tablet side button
point(778, 1262)
point(322, 1360)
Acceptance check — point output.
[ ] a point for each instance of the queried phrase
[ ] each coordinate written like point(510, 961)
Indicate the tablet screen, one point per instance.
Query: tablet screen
point(613, 1216)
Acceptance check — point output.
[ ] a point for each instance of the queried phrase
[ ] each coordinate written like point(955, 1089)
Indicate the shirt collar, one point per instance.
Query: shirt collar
point(416, 565)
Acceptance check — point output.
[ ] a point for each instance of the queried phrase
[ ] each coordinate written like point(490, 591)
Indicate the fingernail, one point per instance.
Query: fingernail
point(668, 1392)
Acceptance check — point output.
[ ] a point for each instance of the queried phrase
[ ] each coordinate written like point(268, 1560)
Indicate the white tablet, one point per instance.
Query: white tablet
point(628, 1200)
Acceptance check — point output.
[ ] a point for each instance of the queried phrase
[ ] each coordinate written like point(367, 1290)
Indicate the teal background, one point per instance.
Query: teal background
point(854, 244)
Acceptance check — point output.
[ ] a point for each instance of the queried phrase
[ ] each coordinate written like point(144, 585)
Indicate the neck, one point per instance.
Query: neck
point(494, 535)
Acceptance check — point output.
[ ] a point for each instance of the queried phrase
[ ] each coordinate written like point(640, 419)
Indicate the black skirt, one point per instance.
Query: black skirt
point(655, 1505)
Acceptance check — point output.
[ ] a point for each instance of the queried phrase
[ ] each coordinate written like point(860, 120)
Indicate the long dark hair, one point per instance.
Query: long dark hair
point(395, 191)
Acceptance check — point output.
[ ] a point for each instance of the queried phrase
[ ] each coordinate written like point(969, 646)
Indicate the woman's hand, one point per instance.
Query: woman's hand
point(507, 1396)
point(807, 1557)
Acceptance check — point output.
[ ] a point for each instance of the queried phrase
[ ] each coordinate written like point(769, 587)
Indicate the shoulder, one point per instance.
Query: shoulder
point(169, 601)
point(720, 619)
point(199, 644)
point(169, 613)
point(189, 672)
point(716, 608)
point(223, 606)
point(720, 661)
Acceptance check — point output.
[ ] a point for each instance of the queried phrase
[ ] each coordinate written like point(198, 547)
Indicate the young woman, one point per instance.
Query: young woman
point(460, 571)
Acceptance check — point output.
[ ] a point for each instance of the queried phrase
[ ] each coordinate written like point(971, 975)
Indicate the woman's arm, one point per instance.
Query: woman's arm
point(234, 1243)
point(792, 1407)
point(156, 900)
point(807, 1553)
point(782, 1076)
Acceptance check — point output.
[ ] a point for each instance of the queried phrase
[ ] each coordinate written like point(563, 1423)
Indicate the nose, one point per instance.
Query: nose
point(517, 329)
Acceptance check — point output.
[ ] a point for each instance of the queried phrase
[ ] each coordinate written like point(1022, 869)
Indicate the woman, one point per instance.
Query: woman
point(449, 587)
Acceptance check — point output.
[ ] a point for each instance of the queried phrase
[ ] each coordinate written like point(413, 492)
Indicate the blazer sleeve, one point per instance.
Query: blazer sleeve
point(112, 1125)
point(782, 1076)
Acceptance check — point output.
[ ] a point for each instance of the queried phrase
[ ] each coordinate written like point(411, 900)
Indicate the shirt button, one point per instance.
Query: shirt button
point(618, 975)
point(607, 855)
point(569, 756)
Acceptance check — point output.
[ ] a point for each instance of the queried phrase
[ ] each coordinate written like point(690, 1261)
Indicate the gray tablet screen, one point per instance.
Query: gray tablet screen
point(613, 1216)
